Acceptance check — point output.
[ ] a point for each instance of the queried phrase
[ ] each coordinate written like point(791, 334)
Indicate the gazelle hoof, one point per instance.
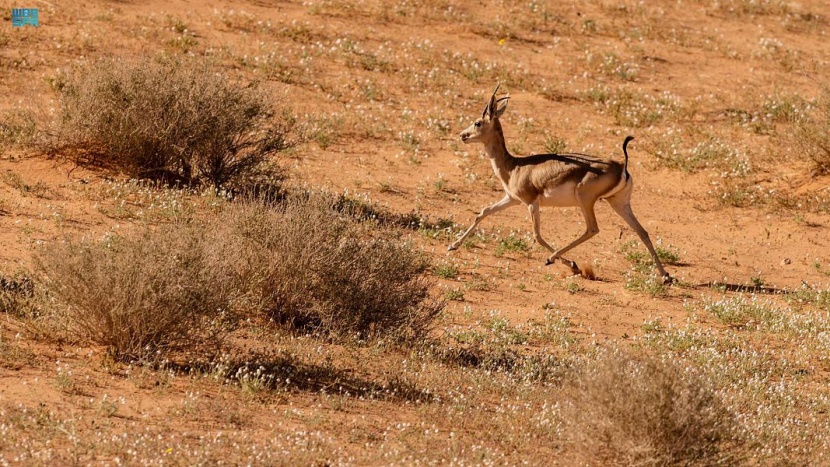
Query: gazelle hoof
point(667, 279)
point(548, 262)
point(452, 247)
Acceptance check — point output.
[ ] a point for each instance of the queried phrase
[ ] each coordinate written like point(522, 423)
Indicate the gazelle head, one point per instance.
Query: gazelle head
point(488, 125)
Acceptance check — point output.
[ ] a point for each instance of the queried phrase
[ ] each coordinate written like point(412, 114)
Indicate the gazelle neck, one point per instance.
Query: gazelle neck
point(496, 150)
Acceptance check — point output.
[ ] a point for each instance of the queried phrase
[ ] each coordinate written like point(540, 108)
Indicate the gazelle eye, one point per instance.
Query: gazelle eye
point(478, 124)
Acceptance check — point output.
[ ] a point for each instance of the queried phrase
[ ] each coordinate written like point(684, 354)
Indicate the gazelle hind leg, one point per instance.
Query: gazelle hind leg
point(537, 234)
point(591, 229)
point(621, 203)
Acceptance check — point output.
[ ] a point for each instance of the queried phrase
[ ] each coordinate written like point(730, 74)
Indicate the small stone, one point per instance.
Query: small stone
point(786, 261)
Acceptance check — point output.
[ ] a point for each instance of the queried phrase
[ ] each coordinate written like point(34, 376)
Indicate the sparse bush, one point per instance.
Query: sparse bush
point(446, 271)
point(311, 269)
point(711, 153)
point(812, 134)
point(17, 295)
point(159, 291)
point(454, 294)
point(640, 280)
point(741, 193)
point(610, 64)
point(555, 144)
point(633, 109)
point(642, 261)
point(364, 211)
point(174, 119)
point(667, 255)
point(574, 287)
point(783, 107)
point(741, 312)
point(512, 244)
point(17, 127)
point(754, 7)
point(623, 410)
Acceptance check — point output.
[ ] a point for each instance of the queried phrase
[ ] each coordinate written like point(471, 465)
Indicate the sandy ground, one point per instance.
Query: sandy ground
point(386, 87)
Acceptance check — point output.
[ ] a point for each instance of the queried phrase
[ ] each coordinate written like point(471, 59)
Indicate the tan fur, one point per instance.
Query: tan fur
point(553, 180)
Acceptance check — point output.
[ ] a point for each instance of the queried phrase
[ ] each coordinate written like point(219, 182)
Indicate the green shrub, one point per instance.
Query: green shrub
point(173, 119)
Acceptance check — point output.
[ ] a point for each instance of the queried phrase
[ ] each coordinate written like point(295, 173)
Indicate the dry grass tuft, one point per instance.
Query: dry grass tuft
point(172, 119)
point(642, 411)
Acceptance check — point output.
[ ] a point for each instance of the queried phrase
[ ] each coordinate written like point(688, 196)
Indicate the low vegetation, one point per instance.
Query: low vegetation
point(17, 128)
point(174, 119)
point(137, 296)
point(813, 133)
point(17, 296)
point(309, 269)
point(182, 286)
point(627, 410)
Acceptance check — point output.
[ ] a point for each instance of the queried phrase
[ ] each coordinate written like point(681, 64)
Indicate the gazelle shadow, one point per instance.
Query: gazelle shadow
point(743, 288)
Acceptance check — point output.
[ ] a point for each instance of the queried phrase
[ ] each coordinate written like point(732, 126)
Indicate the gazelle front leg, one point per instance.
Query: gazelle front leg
point(500, 205)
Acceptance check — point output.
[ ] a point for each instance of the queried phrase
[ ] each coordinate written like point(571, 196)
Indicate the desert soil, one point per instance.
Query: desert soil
point(384, 88)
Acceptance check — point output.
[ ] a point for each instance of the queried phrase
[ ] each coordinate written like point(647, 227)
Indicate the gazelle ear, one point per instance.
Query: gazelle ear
point(501, 106)
point(490, 110)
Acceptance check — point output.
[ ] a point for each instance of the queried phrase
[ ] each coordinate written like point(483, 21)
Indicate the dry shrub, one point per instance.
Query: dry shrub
point(17, 295)
point(175, 119)
point(311, 268)
point(623, 410)
point(158, 292)
point(812, 133)
point(17, 128)
point(300, 262)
